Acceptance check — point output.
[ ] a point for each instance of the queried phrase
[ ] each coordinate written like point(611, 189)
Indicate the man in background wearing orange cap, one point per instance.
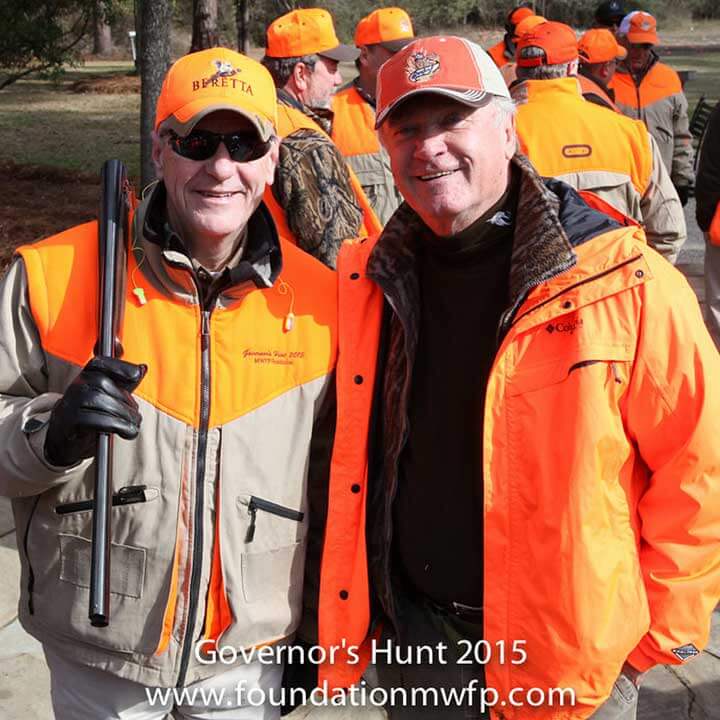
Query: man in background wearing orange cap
point(509, 70)
point(378, 36)
point(317, 194)
point(599, 53)
point(526, 467)
point(504, 51)
point(648, 90)
point(592, 148)
point(229, 347)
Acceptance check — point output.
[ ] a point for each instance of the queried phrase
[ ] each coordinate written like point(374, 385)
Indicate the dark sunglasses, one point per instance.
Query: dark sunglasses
point(203, 144)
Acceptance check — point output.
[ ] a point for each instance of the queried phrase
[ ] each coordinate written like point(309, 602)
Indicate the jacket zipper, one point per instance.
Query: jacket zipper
point(195, 575)
point(255, 503)
point(124, 496)
point(31, 574)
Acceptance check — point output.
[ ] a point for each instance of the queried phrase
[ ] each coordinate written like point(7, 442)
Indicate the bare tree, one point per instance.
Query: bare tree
point(154, 33)
point(205, 20)
point(242, 21)
point(102, 37)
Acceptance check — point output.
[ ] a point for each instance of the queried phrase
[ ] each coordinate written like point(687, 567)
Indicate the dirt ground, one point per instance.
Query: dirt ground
point(39, 201)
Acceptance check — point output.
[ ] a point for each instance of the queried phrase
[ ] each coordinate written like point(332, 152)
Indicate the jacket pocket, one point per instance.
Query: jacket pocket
point(268, 577)
point(578, 359)
point(255, 504)
point(124, 496)
point(127, 565)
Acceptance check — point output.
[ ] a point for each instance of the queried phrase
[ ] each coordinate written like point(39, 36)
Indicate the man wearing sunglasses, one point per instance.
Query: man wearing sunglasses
point(316, 192)
point(218, 405)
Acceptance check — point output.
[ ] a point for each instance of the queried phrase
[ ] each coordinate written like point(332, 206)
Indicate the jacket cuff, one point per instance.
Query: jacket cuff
point(639, 659)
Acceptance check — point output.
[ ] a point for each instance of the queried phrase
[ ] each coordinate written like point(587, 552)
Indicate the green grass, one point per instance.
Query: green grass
point(706, 73)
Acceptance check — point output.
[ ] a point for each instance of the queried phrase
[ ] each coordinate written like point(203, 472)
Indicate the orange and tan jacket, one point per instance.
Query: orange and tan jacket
point(601, 460)
point(594, 92)
point(229, 403)
point(290, 120)
point(597, 150)
point(353, 131)
point(658, 100)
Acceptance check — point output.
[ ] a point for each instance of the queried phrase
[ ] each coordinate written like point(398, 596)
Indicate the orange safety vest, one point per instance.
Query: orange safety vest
point(660, 82)
point(353, 129)
point(590, 138)
point(589, 87)
point(289, 120)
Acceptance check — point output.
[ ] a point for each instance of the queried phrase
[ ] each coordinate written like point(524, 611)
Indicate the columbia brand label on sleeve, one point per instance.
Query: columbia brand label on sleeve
point(685, 652)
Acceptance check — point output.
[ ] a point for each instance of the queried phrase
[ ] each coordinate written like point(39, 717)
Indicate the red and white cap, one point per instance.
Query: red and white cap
point(445, 65)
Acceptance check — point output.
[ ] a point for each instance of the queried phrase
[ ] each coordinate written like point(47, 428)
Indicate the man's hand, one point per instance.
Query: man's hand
point(98, 400)
point(683, 192)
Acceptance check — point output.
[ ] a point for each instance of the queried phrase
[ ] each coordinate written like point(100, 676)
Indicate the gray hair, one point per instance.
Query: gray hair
point(540, 72)
point(281, 69)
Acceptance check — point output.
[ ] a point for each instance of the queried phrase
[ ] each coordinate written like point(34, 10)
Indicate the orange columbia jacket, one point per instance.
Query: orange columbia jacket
point(601, 460)
point(499, 54)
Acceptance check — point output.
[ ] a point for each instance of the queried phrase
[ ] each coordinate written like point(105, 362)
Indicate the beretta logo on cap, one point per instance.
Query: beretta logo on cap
point(224, 76)
point(421, 66)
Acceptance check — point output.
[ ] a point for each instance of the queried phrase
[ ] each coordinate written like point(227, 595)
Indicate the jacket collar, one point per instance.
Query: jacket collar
point(554, 220)
point(323, 117)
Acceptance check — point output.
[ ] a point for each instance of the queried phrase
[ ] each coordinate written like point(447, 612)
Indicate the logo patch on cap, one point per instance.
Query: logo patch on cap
point(224, 70)
point(421, 66)
point(685, 652)
point(645, 26)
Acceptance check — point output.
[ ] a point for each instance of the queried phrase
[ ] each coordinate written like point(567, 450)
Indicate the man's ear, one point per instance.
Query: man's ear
point(157, 146)
point(272, 158)
point(363, 57)
point(300, 74)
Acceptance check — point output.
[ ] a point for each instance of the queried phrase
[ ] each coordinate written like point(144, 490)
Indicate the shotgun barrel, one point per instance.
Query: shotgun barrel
point(112, 231)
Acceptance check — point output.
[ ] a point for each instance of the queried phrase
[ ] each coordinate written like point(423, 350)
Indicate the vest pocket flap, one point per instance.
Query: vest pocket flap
point(271, 574)
point(127, 565)
point(556, 369)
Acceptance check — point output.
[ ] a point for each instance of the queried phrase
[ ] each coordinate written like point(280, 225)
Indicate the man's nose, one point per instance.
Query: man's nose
point(430, 146)
point(220, 165)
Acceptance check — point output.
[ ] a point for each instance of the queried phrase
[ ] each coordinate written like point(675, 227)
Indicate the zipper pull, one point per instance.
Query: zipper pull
point(250, 534)
point(615, 373)
point(205, 329)
point(131, 494)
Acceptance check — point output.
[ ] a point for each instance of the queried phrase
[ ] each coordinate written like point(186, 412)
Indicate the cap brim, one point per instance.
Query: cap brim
point(472, 98)
point(394, 46)
point(341, 53)
point(183, 127)
point(642, 38)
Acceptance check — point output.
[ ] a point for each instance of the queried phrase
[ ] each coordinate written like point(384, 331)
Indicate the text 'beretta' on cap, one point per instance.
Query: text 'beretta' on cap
point(217, 79)
point(387, 26)
point(556, 39)
point(307, 31)
point(600, 46)
point(445, 65)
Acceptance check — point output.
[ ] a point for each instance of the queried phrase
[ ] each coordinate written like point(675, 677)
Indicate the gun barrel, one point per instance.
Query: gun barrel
point(112, 255)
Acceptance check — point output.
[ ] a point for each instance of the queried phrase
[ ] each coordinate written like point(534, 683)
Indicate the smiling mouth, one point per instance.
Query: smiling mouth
point(435, 176)
point(219, 195)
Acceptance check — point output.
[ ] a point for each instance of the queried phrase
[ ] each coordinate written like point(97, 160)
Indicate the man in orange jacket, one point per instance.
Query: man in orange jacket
point(599, 53)
point(592, 148)
point(316, 194)
point(648, 90)
point(525, 483)
point(378, 36)
point(504, 51)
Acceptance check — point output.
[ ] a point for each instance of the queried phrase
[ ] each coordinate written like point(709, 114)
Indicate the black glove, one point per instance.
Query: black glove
point(683, 192)
point(98, 400)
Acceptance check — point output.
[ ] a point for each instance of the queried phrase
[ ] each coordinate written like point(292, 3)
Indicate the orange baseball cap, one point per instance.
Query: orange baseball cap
point(642, 29)
point(555, 38)
point(390, 27)
point(516, 15)
point(217, 79)
point(307, 31)
point(600, 46)
point(446, 65)
point(527, 24)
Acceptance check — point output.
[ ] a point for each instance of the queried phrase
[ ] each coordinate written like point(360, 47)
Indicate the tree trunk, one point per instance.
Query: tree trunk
point(154, 35)
point(242, 21)
point(102, 38)
point(205, 32)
